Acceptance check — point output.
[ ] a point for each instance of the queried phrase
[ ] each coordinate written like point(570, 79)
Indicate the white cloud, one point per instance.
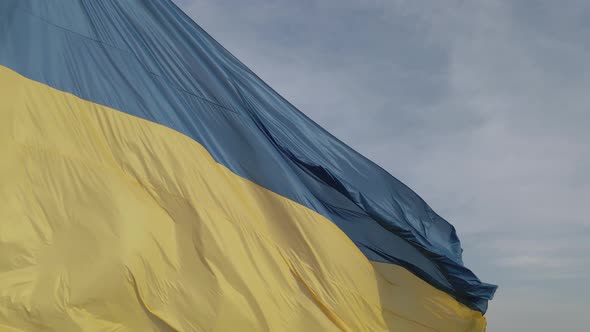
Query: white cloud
point(482, 107)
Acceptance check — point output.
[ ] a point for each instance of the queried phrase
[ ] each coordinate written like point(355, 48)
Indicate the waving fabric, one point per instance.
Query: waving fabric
point(149, 181)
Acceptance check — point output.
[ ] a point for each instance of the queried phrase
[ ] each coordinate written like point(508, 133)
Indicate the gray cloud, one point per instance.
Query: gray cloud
point(482, 107)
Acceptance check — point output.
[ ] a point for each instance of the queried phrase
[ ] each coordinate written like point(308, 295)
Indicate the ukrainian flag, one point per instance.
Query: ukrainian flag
point(149, 181)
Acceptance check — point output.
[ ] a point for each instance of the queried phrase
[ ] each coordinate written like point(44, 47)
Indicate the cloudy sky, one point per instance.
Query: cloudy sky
point(482, 107)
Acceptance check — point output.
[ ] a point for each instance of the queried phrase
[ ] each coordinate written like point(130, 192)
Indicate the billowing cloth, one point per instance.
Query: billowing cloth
point(149, 181)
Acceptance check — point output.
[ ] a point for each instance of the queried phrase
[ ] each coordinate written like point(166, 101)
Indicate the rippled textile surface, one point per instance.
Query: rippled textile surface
point(150, 181)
